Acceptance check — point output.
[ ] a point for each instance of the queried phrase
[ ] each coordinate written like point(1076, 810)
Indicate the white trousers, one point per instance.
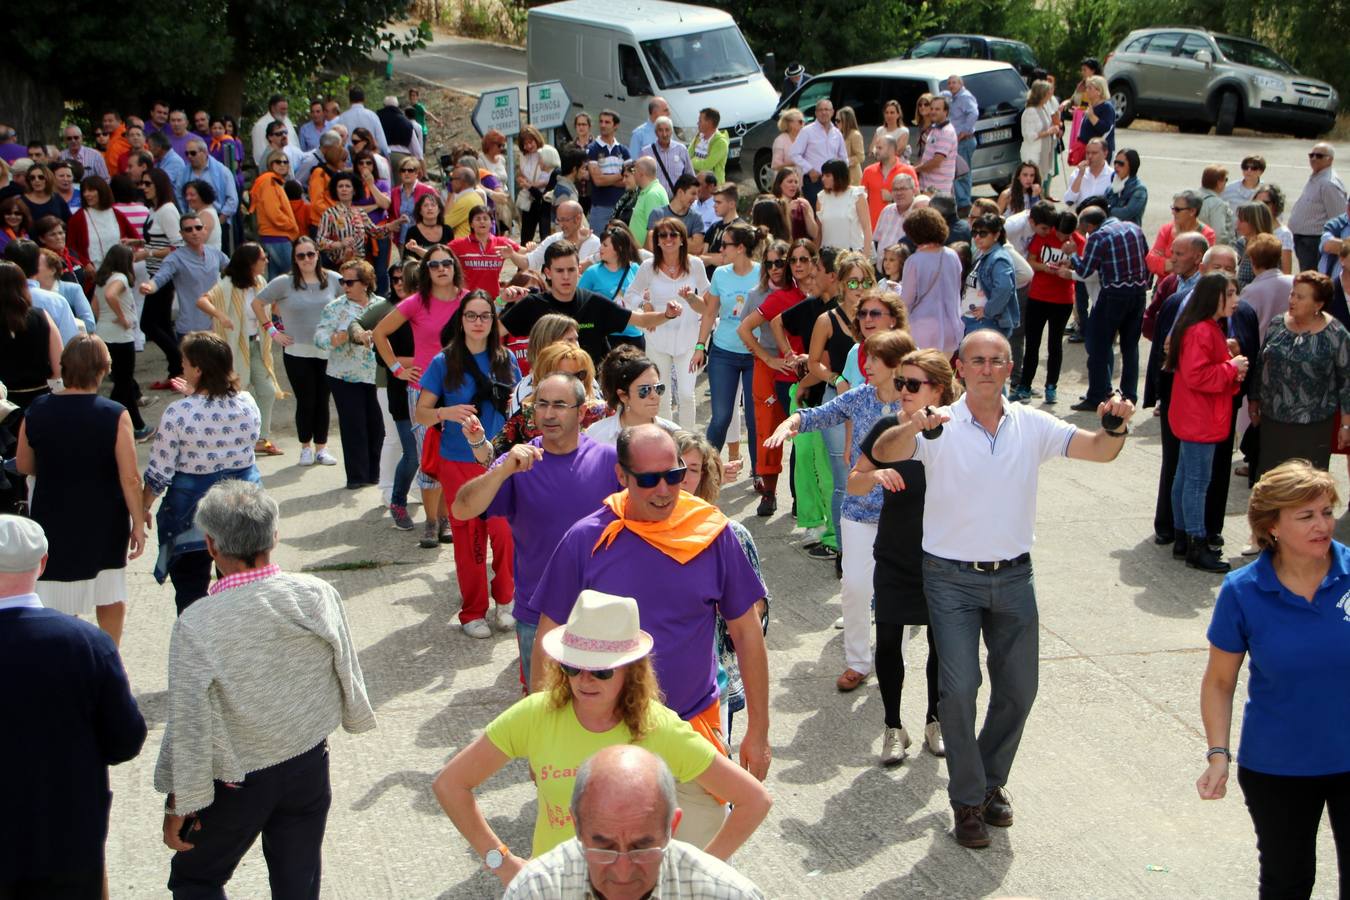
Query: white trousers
point(676, 375)
point(391, 451)
point(856, 540)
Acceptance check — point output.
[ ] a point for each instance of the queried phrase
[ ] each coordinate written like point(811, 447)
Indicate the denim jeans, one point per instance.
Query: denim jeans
point(1194, 465)
point(1116, 312)
point(278, 253)
point(834, 438)
point(598, 218)
point(961, 185)
point(1001, 606)
point(525, 647)
point(724, 370)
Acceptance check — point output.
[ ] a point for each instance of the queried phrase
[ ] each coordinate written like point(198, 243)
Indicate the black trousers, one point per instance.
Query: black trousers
point(190, 574)
point(537, 217)
point(891, 672)
point(287, 804)
point(1286, 811)
point(1040, 314)
point(361, 428)
point(83, 885)
point(125, 390)
point(1216, 498)
point(309, 379)
point(157, 323)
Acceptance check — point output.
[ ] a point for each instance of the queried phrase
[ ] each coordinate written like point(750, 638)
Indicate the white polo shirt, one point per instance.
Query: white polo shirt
point(981, 499)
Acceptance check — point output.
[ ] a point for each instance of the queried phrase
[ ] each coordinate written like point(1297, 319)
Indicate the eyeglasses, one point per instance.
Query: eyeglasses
point(854, 284)
point(776, 263)
point(1251, 168)
point(913, 385)
point(646, 390)
point(554, 405)
point(478, 317)
point(348, 282)
point(194, 228)
point(1317, 155)
point(305, 254)
point(649, 480)
point(599, 674)
point(804, 260)
point(873, 313)
point(674, 236)
point(434, 264)
point(979, 362)
point(645, 856)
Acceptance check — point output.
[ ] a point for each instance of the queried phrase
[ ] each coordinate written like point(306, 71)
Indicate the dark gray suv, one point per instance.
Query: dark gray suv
point(1195, 78)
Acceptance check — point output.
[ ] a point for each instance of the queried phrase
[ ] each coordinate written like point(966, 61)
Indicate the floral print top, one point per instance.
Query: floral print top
point(201, 435)
point(347, 361)
point(1305, 377)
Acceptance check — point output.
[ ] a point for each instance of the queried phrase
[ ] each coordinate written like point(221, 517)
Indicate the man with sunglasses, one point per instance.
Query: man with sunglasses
point(1323, 197)
point(725, 201)
point(278, 139)
point(194, 269)
point(202, 165)
point(543, 488)
point(977, 562)
point(92, 160)
point(675, 554)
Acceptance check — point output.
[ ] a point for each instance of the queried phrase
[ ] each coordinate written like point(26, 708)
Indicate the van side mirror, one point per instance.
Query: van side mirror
point(1204, 57)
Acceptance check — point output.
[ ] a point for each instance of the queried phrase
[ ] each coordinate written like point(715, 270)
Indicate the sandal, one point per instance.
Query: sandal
point(850, 680)
point(267, 448)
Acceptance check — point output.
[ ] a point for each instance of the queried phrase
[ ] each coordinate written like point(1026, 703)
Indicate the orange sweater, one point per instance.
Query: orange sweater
point(268, 201)
point(319, 201)
point(118, 148)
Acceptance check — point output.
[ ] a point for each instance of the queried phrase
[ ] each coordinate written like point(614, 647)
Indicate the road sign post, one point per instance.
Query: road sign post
point(500, 110)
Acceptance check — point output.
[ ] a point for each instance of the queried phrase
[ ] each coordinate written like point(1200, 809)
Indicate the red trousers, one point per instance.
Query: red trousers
point(769, 414)
point(471, 548)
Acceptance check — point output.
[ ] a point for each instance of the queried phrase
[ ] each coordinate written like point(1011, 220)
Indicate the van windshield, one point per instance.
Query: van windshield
point(705, 57)
point(998, 92)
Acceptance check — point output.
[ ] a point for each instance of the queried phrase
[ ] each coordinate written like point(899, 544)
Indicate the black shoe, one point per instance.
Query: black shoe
point(1180, 546)
point(1201, 557)
point(768, 505)
point(839, 568)
point(1214, 542)
point(970, 831)
point(1162, 538)
point(1085, 406)
point(998, 808)
point(823, 551)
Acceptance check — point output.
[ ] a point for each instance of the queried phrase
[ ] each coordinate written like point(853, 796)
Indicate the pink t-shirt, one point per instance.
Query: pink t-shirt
point(427, 320)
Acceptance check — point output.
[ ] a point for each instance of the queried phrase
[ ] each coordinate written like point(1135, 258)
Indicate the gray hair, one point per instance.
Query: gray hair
point(647, 165)
point(240, 518)
point(665, 785)
point(902, 180)
point(1218, 250)
point(196, 140)
point(467, 176)
point(1190, 198)
point(578, 389)
point(330, 138)
point(663, 120)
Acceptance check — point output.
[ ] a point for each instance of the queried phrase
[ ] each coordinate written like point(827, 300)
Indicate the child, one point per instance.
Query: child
point(892, 264)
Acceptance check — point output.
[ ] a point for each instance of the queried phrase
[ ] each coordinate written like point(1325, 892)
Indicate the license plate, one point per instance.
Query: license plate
point(1314, 102)
point(993, 137)
point(734, 152)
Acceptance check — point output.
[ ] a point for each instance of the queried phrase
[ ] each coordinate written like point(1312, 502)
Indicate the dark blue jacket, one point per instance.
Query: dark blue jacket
point(68, 714)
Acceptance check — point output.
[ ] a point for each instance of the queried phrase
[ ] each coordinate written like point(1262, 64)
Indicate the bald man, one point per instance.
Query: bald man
point(1322, 199)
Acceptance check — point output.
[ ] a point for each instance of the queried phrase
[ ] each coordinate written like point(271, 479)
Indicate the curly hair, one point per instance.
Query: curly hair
point(640, 692)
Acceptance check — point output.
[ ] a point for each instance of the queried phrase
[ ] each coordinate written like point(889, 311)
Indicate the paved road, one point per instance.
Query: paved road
point(466, 65)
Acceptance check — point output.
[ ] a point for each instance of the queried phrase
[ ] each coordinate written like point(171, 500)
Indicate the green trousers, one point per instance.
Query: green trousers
point(815, 484)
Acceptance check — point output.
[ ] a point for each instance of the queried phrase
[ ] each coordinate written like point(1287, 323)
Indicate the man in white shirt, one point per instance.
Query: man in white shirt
point(357, 116)
point(817, 144)
point(279, 139)
point(277, 108)
point(891, 222)
point(978, 522)
point(1093, 176)
point(570, 218)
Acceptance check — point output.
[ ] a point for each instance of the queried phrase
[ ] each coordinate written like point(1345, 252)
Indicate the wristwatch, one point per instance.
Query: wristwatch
point(494, 858)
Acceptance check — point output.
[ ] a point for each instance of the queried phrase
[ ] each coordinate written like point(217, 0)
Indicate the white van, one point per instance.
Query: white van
point(618, 55)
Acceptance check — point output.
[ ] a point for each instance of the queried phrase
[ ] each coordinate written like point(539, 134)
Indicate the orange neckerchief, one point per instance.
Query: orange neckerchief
point(690, 529)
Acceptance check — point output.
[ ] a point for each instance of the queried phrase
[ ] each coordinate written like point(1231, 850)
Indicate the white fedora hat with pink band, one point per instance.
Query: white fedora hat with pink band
point(601, 633)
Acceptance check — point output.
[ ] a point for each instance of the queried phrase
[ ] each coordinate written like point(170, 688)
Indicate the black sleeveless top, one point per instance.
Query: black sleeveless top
point(25, 357)
point(839, 342)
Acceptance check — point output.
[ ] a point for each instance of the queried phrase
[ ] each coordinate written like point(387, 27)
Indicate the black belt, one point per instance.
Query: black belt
point(991, 565)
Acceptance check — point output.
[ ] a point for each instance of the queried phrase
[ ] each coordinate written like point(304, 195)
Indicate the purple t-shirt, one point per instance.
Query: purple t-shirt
point(541, 504)
point(675, 602)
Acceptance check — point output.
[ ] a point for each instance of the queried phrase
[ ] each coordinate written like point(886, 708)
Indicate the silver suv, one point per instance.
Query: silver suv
point(1195, 78)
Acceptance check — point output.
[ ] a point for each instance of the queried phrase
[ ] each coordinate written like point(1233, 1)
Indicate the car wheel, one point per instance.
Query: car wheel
point(1228, 112)
point(1122, 98)
point(764, 171)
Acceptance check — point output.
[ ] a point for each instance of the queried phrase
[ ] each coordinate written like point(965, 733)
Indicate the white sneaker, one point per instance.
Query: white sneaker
point(932, 739)
point(324, 458)
point(306, 456)
point(478, 628)
point(506, 621)
point(893, 745)
point(839, 623)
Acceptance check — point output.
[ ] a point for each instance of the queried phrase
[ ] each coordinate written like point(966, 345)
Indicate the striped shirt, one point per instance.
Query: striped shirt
point(1117, 251)
point(686, 872)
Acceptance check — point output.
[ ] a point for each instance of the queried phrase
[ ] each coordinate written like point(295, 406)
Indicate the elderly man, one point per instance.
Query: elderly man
point(10, 148)
point(650, 195)
point(890, 228)
point(1333, 235)
point(1093, 176)
point(606, 157)
point(1185, 217)
point(794, 76)
point(543, 488)
point(676, 555)
point(878, 178)
point(672, 159)
point(194, 269)
point(1323, 197)
point(645, 133)
point(937, 166)
point(92, 160)
point(570, 218)
point(1192, 258)
point(815, 145)
point(977, 567)
point(358, 116)
point(172, 164)
point(205, 167)
point(1115, 252)
point(68, 714)
point(465, 194)
point(681, 206)
point(403, 134)
point(625, 809)
point(266, 670)
point(965, 112)
point(25, 254)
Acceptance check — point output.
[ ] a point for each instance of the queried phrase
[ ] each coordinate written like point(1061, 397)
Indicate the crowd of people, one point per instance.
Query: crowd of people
point(530, 356)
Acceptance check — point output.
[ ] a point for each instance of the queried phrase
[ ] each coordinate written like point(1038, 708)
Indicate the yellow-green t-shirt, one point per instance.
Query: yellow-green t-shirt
point(556, 745)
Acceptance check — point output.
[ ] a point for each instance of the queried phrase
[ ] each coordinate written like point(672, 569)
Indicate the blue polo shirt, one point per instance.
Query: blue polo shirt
point(611, 161)
point(1297, 718)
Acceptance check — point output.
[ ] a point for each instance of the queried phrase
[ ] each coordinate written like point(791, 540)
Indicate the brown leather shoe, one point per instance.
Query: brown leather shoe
point(970, 830)
point(850, 680)
point(998, 808)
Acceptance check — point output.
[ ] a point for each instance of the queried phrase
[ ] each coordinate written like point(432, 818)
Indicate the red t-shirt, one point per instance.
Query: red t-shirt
point(774, 306)
point(482, 266)
point(874, 183)
point(1046, 287)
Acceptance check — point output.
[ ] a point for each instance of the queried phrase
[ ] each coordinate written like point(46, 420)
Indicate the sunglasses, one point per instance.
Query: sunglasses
point(913, 385)
point(36, 177)
point(598, 674)
point(804, 260)
point(1119, 162)
point(306, 254)
point(194, 153)
point(1177, 209)
point(646, 390)
point(405, 171)
point(981, 233)
point(649, 480)
point(726, 245)
point(854, 284)
point(194, 228)
point(434, 264)
point(280, 162)
point(776, 263)
point(72, 137)
point(348, 282)
point(675, 235)
point(1318, 155)
point(1250, 168)
point(873, 313)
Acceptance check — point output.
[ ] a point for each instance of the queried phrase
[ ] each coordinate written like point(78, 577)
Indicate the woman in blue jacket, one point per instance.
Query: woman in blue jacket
point(990, 296)
point(1127, 202)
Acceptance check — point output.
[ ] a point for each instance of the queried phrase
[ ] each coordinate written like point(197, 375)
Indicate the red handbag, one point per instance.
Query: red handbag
point(431, 452)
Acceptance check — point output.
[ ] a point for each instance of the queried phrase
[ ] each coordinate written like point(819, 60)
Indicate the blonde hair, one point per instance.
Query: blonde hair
point(848, 120)
point(788, 116)
point(549, 362)
point(549, 329)
point(938, 368)
point(710, 483)
point(640, 692)
point(1098, 82)
point(1290, 484)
